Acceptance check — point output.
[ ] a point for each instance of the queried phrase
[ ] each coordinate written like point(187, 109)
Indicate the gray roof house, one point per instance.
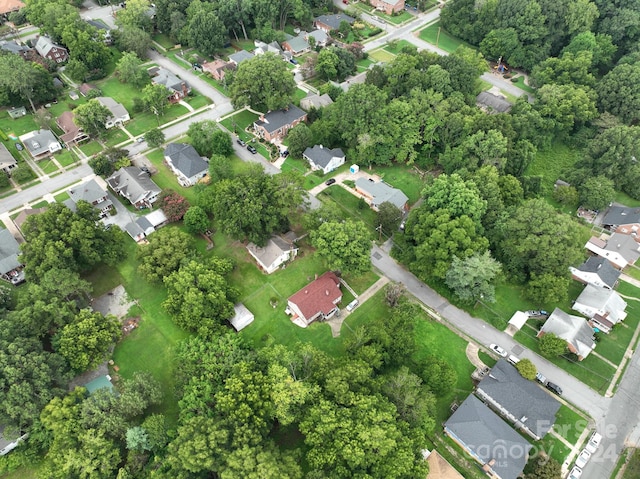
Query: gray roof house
point(324, 159)
point(573, 329)
point(597, 271)
point(7, 161)
point(332, 22)
point(92, 193)
point(380, 192)
point(186, 163)
point(621, 216)
point(10, 267)
point(297, 45)
point(15, 48)
point(119, 113)
point(135, 185)
point(500, 450)
point(276, 252)
point(145, 225)
point(315, 101)
point(176, 87)
point(262, 48)
point(40, 143)
point(519, 400)
point(603, 306)
point(492, 103)
point(238, 57)
point(276, 124)
point(320, 36)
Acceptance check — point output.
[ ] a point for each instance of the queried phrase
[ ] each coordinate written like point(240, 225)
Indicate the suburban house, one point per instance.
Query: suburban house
point(242, 317)
point(15, 48)
point(49, 50)
point(277, 251)
point(240, 56)
point(262, 48)
point(518, 400)
point(320, 37)
point(620, 249)
point(388, 6)
point(40, 143)
point(501, 451)
point(297, 45)
point(622, 219)
point(327, 23)
point(103, 30)
point(7, 161)
point(218, 68)
point(276, 124)
point(324, 159)
point(92, 193)
point(597, 271)
point(177, 88)
point(604, 307)
point(72, 133)
point(8, 6)
point(85, 88)
point(135, 185)
point(492, 103)
point(573, 329)
point(186, 163)
point(317, 300)
point(315, 101)
point(379, 192)
point(24, 214)
point(119, 113)
point(145, 225)
point(10, 267)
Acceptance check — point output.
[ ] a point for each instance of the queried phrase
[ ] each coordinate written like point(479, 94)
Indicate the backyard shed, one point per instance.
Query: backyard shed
point(242, 317)
point(354, 169)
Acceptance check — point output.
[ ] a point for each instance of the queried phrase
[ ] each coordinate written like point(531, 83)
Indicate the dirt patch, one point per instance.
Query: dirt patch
point(115, 302)
point(130, 324)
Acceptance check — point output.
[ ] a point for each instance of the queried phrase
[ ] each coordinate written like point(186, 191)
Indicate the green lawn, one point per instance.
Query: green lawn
point(48, 166)
point(397, 46)
point(296, 164)
point(61, 197)
point(240, 120)
point(115, 136)
point(634, 272)
point(633, 467)
point(554, 447)
point(363, 65)
point(349, 205)
point(91, 148)
point(402, 17)
point(16, 127)
point(121, 92)
point(166, 180)
point(312, 180)
point(382, 56)
point(522, 85)
point(298, 95)
point(24, 166)
point(197, 101)
point(403, 178)
point(22, 473)
point(626, 200)
point(569, 424)
point(214, 83)
point(551, 163)
point(163, 40)
point(146, 121)
point(444, 41)
point(66, 158)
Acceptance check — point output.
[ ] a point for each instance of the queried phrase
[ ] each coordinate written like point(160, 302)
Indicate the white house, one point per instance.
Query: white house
point(619, 249)
point(597, 271)
point(119, 113)
point(40, 143)
point(186, 163)
point(324, 159)
point(603, 306)
point(277, 251)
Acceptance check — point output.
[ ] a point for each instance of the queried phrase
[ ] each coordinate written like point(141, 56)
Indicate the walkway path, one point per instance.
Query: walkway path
point(630, 280)
point(472, 355)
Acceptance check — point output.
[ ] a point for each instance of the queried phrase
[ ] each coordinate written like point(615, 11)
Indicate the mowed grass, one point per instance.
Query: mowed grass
point(444, 40)
point(397, 46)
point(239, 122)
point(91, 148)
point(403, 178)
point(382, 55)
point(551, 163)
point(166, 180)
point(614, 345)
point(349, 205)
point(401, 17)
point(570, 424)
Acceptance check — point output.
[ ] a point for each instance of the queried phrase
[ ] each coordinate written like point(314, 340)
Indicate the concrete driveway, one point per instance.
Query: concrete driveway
point(122, 217)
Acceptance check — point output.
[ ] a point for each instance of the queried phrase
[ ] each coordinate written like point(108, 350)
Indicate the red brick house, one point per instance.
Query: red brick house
point(276, 124)
point(388, 6)
point(47, 49)
point(218, 68)
point(317, 300)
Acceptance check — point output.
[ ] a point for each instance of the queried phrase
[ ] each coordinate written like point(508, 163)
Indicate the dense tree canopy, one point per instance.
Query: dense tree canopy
point(343, 245)
point(164, 254)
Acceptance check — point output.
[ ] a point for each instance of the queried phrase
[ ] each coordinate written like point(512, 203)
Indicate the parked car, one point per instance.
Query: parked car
point(513, 359)
point(294, 61)
point(252, 149)
point(352, 305)
point(140, 139)
point(19, 147)
point(285, 153)
point(330, 181)
point(594, 442)
point(575, 473)
point(241, 142)
point(541, 379)
point(553, 387)
point(498, 350)
point(583, 458)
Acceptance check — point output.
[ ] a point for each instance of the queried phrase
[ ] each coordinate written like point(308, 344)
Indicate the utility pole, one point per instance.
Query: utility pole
point(379, 229)
point(438, 36)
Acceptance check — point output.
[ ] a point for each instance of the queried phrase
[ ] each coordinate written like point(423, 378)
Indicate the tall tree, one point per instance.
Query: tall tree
point(204, 29)
point(21, 78)
point(155, 99)
point(163, 254)
point(344, 246)
point(618, 92)
point(135, 15)
point(133, 40)
point(92, 118)
point(209, 140)
point(472, 279)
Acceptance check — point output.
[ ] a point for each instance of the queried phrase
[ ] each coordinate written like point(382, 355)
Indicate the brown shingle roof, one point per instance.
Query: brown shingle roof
point(318, 296)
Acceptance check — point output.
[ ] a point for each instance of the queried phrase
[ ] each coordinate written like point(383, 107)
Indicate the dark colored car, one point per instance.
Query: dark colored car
point(285, 153)
point(241, 142)
point(553, 387)
point(252, 149)
point(294, 61)
point(330, 181)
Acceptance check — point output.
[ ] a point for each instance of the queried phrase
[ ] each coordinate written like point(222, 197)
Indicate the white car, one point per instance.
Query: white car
point(498, 350)
point(352, 305)
point(575, 473)
point(583, 458)
point(594, 442)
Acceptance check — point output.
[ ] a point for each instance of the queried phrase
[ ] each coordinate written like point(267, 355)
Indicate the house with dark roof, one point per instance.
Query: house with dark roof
point(622, 219)
point(218, 68)
point(85, 88)
point(186, 163)
point(316, 301)
point(378, 192)
point(597, 271)
point(119, 114)
point(15, 48)
point(324, 159)
point(92, 193)
point(315, 101)
point(40, 143)
point(388, 6)
point(49, 50)
point(10, 267)
point(332, 22)
point(297, 45)
point(520, 401)
point(177, 89)
point(277, 251)
point(619, 249)
point(240, 56)
point(276, 124)
point(7, 161)
point(145, 225)
point(73, 134)
point(604, 307)
point(135, 185)
point(492, 103)
point(501, 451)
point(103, 30)
point(575, 330)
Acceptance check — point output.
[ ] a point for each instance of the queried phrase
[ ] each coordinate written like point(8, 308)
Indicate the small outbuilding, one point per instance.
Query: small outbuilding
point(242, 317)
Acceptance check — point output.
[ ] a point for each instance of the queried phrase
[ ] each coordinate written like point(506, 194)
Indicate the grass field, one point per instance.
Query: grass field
point(91, 148)
point(362, 66)
point(296, 164)
point(48, 166)
point(569, 424)
point(632, 470)
point(115, 136)
point(381, 55)
point(551, 163)
point(397, 46)
point(163, 40)
point(444, 41)
point(403, 178)
point(239, 122)
point(395, 19)
point(146, 121)
point(522, 85)
point(349, 205)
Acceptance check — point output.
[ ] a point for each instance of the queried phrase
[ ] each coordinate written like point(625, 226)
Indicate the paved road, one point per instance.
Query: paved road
point(617, 418)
